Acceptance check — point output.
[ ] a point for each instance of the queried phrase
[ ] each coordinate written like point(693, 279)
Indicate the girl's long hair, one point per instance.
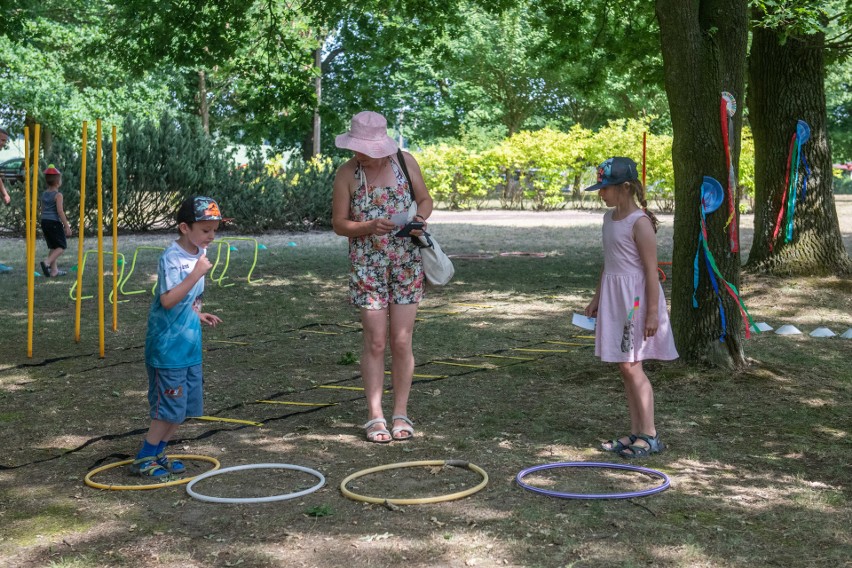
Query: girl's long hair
point(638, 192)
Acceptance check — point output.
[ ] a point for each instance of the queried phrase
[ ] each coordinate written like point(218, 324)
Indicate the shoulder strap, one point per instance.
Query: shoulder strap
point(402, 165)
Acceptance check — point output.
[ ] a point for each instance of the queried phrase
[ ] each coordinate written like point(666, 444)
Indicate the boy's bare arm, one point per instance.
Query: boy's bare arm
point(171, 298)
point(60, 210)
point(209, 319)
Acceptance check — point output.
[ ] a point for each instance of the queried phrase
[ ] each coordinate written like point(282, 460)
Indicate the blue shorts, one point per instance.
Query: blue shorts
point(175, 394)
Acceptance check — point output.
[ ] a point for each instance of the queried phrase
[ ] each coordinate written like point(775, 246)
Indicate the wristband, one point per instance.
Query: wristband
point(422, 218)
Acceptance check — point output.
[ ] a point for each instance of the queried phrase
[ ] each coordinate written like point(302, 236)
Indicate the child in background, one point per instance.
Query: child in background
point(173, 343)
point(632, 320)
point(4, 195)
point(54, 223)
point(4, 139)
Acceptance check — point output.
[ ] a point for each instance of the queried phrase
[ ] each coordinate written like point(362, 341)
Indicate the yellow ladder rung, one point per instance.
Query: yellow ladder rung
point(437, 312)
point(231, 420)
point(508, 357)
point(415, 375)
point(344, 388)
point(540, 350)
point(291, 403)
point(459, 364)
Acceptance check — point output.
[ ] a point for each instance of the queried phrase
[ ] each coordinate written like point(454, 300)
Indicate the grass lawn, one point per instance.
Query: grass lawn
point(759, 461)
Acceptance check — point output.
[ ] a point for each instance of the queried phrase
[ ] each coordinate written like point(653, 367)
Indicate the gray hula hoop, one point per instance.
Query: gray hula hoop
point(244, 500)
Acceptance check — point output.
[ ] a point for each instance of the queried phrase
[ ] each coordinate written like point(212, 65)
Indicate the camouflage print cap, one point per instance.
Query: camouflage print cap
point(206, 209)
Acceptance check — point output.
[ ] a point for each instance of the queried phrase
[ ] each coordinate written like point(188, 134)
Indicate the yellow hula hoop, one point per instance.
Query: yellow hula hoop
point(96, 485)
point(421, 501)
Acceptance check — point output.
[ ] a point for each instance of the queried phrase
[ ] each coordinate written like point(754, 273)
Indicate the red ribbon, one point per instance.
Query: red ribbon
point(731, 223)
point(784, 194)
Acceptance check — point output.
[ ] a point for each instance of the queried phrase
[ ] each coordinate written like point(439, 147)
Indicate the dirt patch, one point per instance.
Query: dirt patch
point(503, 381)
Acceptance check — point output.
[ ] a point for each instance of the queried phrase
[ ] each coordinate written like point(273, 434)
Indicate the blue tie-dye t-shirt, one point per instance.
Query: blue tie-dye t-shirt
point(174, 336)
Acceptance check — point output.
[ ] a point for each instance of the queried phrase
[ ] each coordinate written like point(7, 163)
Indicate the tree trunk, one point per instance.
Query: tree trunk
point(704, 50)
point(203, 107)
point(318, 91)
point(46, 140)
point(786, 84)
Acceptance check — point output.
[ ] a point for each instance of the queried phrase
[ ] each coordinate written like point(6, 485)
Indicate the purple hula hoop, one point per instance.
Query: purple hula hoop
point(652, 472)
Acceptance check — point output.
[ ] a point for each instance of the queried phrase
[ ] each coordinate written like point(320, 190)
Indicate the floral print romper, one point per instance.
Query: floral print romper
point(384, 269)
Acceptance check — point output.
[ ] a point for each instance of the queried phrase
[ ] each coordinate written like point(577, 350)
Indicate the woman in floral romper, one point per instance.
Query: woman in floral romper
point(386, 275)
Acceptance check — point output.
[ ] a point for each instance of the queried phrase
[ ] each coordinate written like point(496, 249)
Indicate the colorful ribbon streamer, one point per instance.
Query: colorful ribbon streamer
point(716, 279)
point(791, 183)
point(727, 108)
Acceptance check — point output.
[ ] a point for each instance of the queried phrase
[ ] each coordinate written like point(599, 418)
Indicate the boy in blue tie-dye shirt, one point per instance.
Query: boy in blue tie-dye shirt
point(173, 343)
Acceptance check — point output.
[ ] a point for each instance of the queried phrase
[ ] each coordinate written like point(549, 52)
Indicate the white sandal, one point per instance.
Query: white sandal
point(407, 428)
point(372, 435)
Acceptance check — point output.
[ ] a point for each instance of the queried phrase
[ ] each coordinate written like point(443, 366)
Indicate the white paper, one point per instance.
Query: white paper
point(581, 320)
point(400, 219)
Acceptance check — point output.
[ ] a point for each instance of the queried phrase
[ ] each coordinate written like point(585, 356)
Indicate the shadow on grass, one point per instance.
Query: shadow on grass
point(757, 459)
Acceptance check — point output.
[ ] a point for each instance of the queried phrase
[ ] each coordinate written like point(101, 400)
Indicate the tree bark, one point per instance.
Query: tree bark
point(46, 140)
point(704, 50)
point(786, 84)
point(203, 106)
point(318, 91)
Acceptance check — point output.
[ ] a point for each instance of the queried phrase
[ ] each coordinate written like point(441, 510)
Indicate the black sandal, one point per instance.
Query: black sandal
point(655, 446)
point(615, 445)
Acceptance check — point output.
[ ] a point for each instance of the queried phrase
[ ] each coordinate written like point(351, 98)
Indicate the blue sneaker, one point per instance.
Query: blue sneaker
point(5, 268)
point(172, 466)
point(148, 467)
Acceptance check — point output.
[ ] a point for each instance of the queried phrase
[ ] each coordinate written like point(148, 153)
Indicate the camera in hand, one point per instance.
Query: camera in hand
point(406, 230)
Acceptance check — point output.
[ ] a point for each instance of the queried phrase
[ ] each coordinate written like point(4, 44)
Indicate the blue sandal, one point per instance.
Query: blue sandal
point(615, 445)
point(148, 467)
point(173, 466)
point(655, 446)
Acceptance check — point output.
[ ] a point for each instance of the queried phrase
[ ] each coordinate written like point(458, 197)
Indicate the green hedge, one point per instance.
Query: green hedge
point(161, 163)
point(548, 169)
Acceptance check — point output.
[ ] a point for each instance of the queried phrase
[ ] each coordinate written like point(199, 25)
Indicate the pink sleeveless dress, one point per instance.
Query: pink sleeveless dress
point(621, 312)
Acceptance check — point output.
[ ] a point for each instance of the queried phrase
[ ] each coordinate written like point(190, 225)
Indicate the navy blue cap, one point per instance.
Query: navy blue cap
point(615, 171)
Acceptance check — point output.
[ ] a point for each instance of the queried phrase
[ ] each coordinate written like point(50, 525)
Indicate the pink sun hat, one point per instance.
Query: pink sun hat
point(368, 135)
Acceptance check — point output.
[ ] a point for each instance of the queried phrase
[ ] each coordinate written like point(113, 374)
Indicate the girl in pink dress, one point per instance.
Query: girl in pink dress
point(632, 320)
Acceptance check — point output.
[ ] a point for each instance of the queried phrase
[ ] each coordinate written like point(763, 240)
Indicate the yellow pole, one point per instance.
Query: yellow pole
point(81, 232)
point(114, 231)
point(99, 189)
point(34, 198)
point(30, 244)
point(32, 213)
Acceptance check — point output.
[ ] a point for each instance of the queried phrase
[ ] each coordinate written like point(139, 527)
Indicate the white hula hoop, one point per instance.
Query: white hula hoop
point(284, 497)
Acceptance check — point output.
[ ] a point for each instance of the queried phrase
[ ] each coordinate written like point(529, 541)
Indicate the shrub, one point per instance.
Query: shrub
point(160, 163)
